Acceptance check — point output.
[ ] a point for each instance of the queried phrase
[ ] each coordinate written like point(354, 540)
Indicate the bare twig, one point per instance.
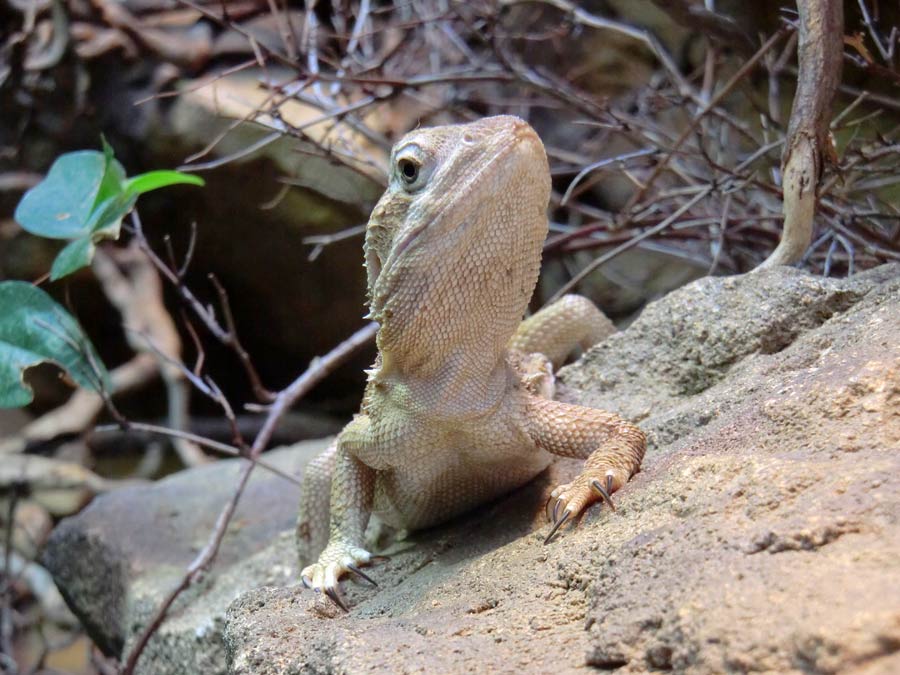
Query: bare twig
point(224, 448)
point(320, 241)
point(318, 370)
point(686, 133)
point(202, 312)
point(597, 262)
point(138, 297)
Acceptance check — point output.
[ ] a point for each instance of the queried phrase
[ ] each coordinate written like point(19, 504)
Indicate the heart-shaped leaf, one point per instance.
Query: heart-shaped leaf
point(35, 329)
point(84, 197)
point(60, 206)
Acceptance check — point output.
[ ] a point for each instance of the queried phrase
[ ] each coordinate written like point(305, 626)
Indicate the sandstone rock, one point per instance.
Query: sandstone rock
point(766, 533)
point(763, 533)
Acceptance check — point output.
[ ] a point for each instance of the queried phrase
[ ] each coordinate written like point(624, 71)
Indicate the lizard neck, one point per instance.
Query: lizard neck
point(463, 379)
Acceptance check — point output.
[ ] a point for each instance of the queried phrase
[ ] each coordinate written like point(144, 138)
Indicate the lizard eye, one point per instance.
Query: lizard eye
point(409, 170)
point(413, 166)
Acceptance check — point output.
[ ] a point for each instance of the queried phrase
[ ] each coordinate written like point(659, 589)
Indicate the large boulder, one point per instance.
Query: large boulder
point(763, 532)
point(115, 561)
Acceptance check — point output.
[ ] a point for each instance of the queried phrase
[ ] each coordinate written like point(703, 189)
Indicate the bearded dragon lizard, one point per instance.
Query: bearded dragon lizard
point(458, 407)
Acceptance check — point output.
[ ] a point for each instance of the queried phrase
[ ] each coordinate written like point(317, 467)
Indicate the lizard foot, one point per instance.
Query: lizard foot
point(575, 497)
point(336, 560)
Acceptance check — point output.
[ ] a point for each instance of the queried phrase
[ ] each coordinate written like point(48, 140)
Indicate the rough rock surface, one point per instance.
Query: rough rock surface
point(118, 558)
point(763, 533)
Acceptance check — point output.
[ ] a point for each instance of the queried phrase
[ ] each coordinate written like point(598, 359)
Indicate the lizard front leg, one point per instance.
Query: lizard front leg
point(352, 490)
point(314, 518)
point(612, 448)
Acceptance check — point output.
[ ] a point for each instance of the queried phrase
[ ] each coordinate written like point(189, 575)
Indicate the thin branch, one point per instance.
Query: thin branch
point(205, 314)
point(634, 241)
point(720, 95)
point(602, 163)
point(318, 369)
point(210, 443)
point(320, 241)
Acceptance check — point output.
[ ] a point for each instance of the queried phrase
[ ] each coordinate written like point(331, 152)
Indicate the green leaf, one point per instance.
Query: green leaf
point(73, 257)
point(113, 182)
point(35, 329)
point(105, 223)
point(153, 180)
point(106, 220)
point(59, 206)
point(84, 197)
point(63, 205)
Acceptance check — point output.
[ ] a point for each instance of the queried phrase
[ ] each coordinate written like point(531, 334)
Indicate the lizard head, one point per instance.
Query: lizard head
point(453, 247)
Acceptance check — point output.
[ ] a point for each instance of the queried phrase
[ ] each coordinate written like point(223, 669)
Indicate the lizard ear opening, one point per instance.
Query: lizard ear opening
point(373, 266)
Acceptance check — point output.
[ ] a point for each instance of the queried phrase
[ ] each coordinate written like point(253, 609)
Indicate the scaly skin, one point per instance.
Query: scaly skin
point(458, 409)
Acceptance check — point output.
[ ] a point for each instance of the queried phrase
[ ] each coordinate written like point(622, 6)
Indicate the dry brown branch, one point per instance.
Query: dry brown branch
point(204, 313)
point(707, 108)
point(317, 371)
point(137, 293)
point(223, 448)
point(808, 141)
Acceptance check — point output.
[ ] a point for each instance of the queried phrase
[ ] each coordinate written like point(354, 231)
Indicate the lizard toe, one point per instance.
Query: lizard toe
point(335, 562)
point(573, 498)
point(604, 490)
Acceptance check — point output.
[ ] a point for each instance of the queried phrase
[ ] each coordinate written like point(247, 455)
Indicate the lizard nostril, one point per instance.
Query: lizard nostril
point(468, 138)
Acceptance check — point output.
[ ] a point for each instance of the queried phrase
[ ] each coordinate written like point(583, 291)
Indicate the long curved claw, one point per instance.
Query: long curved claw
point(358, 572)
point(556, 506)
point(558, 524)
point(306, 581)
point(604, 492)
point(335, 597)
point(552, 516)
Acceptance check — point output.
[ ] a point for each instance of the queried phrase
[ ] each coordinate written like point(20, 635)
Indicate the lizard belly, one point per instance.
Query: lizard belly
point(453, 478)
